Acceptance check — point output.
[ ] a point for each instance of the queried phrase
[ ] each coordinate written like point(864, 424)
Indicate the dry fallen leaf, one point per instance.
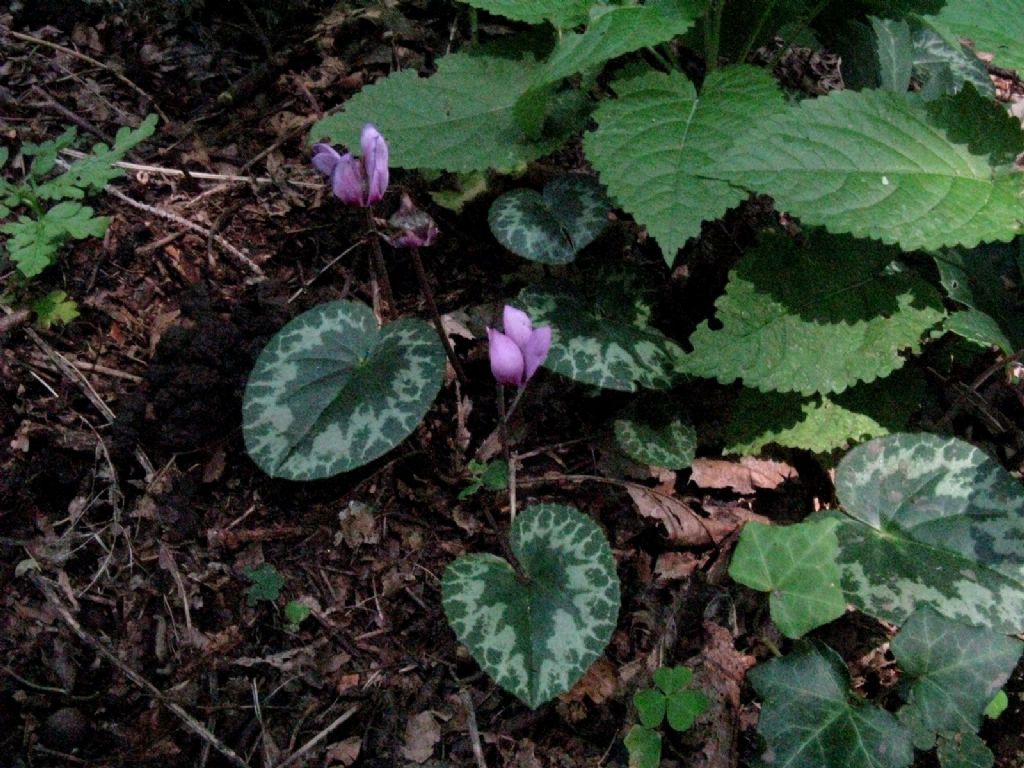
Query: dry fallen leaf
point(598, 684)
point(672, 566)
point(720, 674)
point(744, 476)
point(422, 733)
point(683, 524)
point(344, 753)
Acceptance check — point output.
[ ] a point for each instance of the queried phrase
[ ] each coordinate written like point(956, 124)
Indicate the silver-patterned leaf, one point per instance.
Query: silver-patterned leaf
point(931, 520)
point(536, 637)
point(653, 432)
point(551, 228)
point(332, 391)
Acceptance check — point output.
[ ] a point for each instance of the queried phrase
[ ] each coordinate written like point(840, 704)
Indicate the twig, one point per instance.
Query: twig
point(15, 319)
point(94, 62)
point(428, 297)
point(187, 720)
point(326, 267)
point(320, 736)
point(71, 117)
point(474, 732)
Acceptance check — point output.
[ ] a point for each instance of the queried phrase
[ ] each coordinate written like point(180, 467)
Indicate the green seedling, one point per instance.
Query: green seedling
point(670, 700)
point(493, 476)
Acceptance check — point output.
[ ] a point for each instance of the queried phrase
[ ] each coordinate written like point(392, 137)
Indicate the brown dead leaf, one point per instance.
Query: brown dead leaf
point(672, 566)
point(357, 525)
point(598, 684)
point(744, 476)
point(682, 523)
point(422, 733)
point(344, 753)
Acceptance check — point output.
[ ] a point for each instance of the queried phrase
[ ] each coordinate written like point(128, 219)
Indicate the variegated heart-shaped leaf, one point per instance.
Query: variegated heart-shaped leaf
point(551, 228)
point(653, 432)
point(332, 391)
point(537, 635)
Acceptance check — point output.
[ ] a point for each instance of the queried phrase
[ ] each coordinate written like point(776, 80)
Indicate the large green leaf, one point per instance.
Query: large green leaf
point(964, 750)
point(894, 51)
point(652, 431)
point(796, 565)
point(460, 119)
point(824, 423)
point(551, 228)
point(983, 124)
point(331, 391)
point(810, 718)
point(612, 32)
point(952, 670)
point(931, 521)
point(561, 13)
point(872, 164)
point(596, 341)
point(814, 317)
point(537, 636)
point(656, 144)
point(993, 26)
point(985, 280)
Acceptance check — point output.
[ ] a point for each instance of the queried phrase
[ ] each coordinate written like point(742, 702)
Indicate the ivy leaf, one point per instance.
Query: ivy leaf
point(964, 750)
point(993, 26)
point(823, 423)
point(460, 119)
point(265, 584)
point(953, 670)
point(331, 392)
point(817, 317)
point(931, 520)
point(652, 432)
point(893, 48)
point(561, 13)
point(872, 164)
point(594, 342)
point(537, 637)
point(656, 145)
point(644, 746)
point(612, 32)
point(650, 707)
point(551, 228)
point(796, 564)
point(810, 719)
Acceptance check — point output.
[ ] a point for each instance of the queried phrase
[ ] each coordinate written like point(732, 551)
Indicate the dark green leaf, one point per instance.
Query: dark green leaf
point(644, 746)
point(265, 584)
point(650, 707)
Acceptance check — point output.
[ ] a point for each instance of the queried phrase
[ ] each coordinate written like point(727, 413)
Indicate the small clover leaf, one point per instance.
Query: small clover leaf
point(644, 746)
point(684, 707)
point(650, 707)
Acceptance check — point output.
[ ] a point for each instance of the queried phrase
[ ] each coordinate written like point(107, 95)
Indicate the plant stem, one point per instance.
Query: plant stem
point(712, 33)
point(474, 27)
point(428, 297)
point(752, 40)
point(379, 268)
point(506, 448)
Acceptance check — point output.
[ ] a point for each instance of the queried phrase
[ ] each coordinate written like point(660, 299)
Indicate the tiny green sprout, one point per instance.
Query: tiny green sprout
point(997, 706)
point(669, 699)
point(295, 613)
point(265, 584)
point(493, 476)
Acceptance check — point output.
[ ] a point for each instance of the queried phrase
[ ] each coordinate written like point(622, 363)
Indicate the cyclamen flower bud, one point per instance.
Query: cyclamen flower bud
point(356, 182)
point(411, 227)
point(517, 353)
point(375, 161)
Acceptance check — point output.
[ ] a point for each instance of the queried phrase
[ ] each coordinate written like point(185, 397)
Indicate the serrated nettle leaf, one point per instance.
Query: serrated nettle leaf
point(592, 347)
point(933, 521)
point(814, 317)
point(656, 144)
point(993, 26)
point(811, 719)
point(561, 13)
point(824, 423)
point(537, 637)
point(944, 65)
point(964, 750)
point(460, 119)
point(983, 280)
point(952, 670)
point(551, 228)
point(331, 391)
point(644, 746)
point(894, 50)
point(650, 707)
point(672, 679)
point(968, 117)
point(651, 431)
point(612, 32)
point(683, 708)
point(796, 565)
point(873, 164)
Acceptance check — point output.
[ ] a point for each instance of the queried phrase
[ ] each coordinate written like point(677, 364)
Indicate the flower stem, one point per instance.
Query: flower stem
point(506, 448)
point(428, 297)
point(379, 268)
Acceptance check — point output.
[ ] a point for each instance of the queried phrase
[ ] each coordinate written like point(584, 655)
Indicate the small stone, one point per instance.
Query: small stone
point(65, 729)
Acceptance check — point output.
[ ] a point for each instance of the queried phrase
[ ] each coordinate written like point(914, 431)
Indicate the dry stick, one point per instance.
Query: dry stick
point(428, 296)
point(474, 732)
point(93, 62)
point(320, 736)
point(15, 319)
point(190, 722)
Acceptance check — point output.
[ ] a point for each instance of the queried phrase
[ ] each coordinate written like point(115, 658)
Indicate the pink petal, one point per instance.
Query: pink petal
point(325, 157)
point(348, 180)
point(507, 363)
point(517, 325)
point(375, 161)
point(536, 350)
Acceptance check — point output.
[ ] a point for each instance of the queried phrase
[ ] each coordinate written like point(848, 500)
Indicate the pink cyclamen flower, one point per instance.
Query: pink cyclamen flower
point(517, 353)
point(359, 182)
